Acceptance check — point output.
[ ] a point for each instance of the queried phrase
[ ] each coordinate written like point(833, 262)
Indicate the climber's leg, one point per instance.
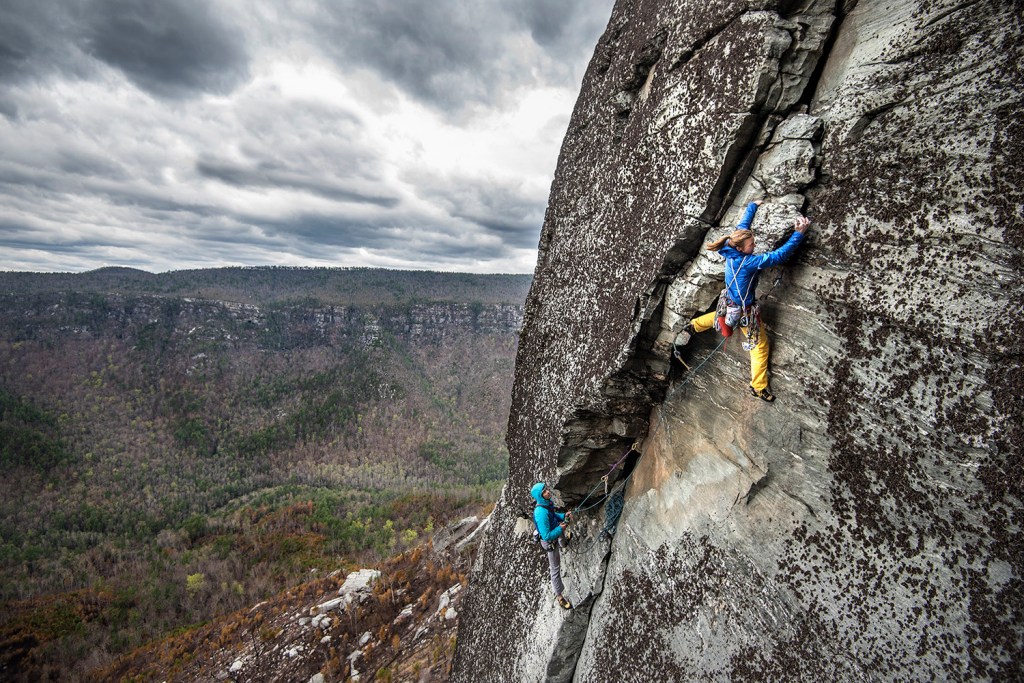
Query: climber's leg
point(554, 566)
point(704, 322)
point(759, 362)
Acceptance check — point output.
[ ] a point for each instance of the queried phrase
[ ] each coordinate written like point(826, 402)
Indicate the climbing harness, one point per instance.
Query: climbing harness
point(728, 313)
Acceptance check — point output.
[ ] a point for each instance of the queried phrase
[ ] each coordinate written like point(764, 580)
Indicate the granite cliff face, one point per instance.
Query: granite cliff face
point(868, 524)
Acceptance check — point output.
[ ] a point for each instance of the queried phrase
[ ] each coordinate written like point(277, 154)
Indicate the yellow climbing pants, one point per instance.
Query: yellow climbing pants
point(758, 356)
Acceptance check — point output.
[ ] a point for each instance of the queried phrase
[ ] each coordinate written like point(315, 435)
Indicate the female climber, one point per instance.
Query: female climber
point(553, 535)
point(738, 301)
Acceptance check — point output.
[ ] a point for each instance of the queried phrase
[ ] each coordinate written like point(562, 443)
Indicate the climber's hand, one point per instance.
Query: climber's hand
point(802, 223)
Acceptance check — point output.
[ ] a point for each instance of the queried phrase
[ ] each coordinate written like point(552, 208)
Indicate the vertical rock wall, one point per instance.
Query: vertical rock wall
point(865, 526)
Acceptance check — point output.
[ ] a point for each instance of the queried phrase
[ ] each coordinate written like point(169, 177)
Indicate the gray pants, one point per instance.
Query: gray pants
point(555, 563)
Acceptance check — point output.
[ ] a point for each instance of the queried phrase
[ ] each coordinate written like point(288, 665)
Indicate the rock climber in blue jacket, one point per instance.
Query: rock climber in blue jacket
point(551, 526)
point(738, 302)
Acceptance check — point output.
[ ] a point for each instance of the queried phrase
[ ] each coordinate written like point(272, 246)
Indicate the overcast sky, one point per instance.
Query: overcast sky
point(170, 134)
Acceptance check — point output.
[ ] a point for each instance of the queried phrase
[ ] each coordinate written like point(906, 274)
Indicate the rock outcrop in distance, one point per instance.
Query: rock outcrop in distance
point(868, 524)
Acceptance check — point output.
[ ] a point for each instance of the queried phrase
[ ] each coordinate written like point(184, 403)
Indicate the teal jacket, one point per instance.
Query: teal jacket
point(544, 515)
point(742, 271)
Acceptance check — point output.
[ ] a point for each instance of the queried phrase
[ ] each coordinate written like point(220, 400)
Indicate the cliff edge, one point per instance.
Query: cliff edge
point(868, 524)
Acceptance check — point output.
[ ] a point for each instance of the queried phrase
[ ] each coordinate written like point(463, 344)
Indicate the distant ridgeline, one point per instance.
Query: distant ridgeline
point(265, 285)
point(272, 307)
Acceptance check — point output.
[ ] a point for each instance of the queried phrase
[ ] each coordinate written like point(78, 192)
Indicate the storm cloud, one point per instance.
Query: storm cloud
point(452, 54)
point(192, 133)
point(170, 48)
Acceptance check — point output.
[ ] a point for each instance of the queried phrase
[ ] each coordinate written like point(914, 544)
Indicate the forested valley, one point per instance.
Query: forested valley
point(176, 447)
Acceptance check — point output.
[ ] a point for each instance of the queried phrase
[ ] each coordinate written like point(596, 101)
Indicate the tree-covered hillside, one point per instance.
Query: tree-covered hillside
point(168, 456)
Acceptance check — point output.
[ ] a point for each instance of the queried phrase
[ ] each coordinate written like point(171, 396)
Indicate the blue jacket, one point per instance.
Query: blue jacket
point(742, 271)
point(544, 515)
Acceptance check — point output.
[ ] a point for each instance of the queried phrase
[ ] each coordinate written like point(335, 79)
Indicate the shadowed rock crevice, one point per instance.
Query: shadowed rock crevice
point(569, 642)
point(841, 11)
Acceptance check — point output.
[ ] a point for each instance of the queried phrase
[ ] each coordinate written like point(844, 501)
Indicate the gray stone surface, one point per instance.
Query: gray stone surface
point(454, 534)
point(865, 526)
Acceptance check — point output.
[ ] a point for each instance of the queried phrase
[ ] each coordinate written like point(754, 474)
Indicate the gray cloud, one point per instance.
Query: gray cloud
point(334, 231)
point(306, 155)
point(565, 27)
point(521, 234)
point(328, 159)
point(276, 175)
point(170, 48)
point(449, 53)
point(17, 42)
point(79, 163)
point(395, 238)
point(502, 210)
point(430, 50)
point(37, 38)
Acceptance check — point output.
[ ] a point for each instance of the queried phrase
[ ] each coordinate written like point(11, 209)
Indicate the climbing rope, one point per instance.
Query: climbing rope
point(604, 482)
point(615, 502)
point(613, 510)
point(693, 371)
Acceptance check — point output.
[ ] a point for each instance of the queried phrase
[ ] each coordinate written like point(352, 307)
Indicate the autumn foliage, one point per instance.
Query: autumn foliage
point(168, 457)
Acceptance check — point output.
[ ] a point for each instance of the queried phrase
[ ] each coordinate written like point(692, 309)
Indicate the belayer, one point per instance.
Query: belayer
point(737, 304)
point(551, 526)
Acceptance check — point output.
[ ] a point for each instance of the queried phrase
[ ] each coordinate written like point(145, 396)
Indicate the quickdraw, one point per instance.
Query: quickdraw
point(605, 480)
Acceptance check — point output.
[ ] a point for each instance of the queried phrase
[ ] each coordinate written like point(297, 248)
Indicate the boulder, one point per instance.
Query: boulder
point(358, 584)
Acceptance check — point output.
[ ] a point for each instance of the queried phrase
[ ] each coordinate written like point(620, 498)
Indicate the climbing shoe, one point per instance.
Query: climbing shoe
point(561, 600)
point(764, 394)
